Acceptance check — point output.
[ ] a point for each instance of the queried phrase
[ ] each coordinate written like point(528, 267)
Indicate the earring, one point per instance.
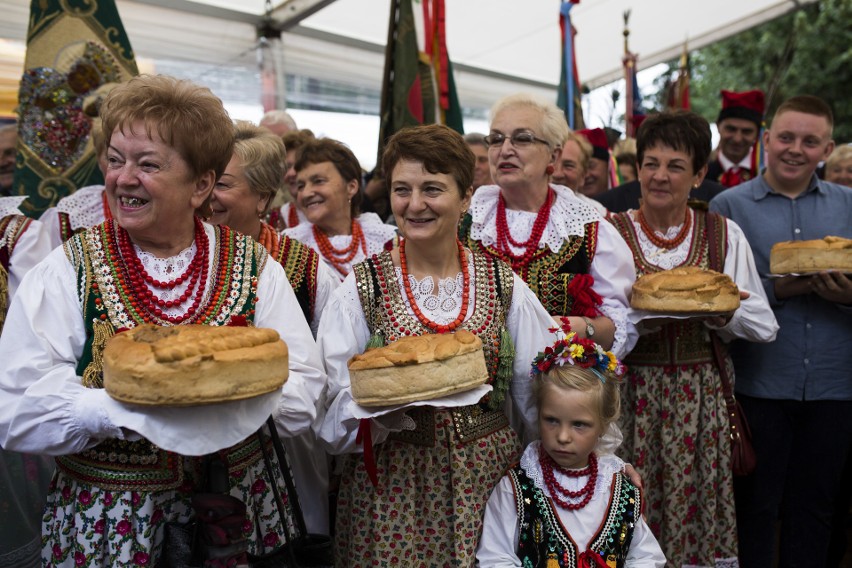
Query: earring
point(549, 170)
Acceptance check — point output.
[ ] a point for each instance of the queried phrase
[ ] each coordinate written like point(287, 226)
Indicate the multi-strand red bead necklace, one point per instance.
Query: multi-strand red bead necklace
point(662, 242)
point(436, 327)
point(530, 246)
point(135, 277)
point(340, 257)
point(557, 490)
point(268, 238)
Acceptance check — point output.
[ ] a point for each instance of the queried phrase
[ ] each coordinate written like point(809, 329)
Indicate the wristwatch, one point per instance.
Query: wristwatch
point(590, 329)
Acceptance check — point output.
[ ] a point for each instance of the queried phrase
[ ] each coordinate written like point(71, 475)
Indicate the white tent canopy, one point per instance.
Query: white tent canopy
point(497, 46)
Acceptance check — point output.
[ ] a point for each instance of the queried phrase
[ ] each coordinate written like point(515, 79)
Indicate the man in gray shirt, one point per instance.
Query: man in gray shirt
point(797, 391)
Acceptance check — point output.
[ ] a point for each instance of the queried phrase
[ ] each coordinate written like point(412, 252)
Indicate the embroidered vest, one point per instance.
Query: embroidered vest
point(387, 315)
point(301, 263)
point(543, 540)
point(686, 341)
point(140, 465)
point(548, 274)
point(11, 229)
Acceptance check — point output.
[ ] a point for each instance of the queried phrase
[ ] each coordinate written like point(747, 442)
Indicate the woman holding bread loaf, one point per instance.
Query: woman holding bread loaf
point(433, 466)
point(153, 262)
point(575, 263)
point(675, 421)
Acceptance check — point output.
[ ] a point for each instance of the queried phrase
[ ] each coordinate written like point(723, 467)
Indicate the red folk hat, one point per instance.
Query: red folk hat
point(748, 105)
point(597, 138)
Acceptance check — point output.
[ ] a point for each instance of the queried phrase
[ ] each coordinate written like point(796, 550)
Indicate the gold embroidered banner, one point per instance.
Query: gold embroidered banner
point(75, 50)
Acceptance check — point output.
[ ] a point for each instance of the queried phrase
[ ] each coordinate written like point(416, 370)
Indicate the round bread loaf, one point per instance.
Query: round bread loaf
point(193, 364)
point(685, 289)
point(418, 368)
point(801, 257)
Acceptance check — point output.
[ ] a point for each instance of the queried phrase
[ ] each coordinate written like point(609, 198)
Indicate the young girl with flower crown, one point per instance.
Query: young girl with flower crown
point(563, 505)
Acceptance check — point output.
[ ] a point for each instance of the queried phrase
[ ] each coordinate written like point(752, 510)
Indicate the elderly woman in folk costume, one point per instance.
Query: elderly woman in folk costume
point(241, 199)
point(168, 141)
point(675, 421)
point(328, 179)
point(444, 468)
point(23, 478)
point(577, 265)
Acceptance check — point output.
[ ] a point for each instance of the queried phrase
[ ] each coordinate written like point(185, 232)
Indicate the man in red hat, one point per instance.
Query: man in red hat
point(597, 174)
point(735, 160)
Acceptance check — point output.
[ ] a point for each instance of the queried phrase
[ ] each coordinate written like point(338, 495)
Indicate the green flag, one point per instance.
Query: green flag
point(75, 50)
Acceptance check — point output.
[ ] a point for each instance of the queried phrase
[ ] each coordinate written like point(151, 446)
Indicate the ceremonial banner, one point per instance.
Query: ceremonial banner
point(75, 50)
point(569, 94)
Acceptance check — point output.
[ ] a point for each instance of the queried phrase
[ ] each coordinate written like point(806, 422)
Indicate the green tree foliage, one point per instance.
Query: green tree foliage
point(805, 52)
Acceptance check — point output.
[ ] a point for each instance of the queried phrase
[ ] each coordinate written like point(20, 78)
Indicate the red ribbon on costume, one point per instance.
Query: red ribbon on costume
point(365, 437)
point(591, 559)
point(586, 300)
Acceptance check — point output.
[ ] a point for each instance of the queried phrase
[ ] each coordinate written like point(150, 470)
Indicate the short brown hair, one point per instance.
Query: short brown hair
point(320, 150)
point(680, 130)
point(439, 148)
point(605, 393)
point(262, 155)
point(807, 104)
point(295, 139)
point(188, 117)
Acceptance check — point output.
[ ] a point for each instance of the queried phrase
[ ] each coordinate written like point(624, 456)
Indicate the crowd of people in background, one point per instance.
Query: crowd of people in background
point(614, 451)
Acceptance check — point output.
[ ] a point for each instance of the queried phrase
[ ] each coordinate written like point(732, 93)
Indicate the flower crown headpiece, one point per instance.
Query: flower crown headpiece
point(572, 350)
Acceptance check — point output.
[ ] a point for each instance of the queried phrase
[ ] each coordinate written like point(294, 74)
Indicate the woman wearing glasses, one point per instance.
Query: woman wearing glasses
point(578, 266)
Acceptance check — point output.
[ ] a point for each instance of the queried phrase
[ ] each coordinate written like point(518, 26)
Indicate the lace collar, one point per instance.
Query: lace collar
point(608, 465)
point(568, 217)
point(376, 234)
point(10, 205)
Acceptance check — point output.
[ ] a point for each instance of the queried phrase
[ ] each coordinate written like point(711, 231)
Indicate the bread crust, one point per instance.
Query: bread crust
point(193, 364)
point(416, 368)
point(685, 289)
point(801, 257)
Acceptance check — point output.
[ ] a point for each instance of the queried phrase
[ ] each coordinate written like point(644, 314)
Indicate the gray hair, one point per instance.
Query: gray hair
point(554, 127)
point(279, 117)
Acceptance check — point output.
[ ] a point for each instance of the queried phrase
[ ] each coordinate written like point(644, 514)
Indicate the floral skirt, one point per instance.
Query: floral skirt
point(675, 429)
point(428, 507)
point(84, 525)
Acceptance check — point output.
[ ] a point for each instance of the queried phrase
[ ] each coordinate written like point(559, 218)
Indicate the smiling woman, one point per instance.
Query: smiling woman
point(445, 466)
point(153, 262)
point(328, 181)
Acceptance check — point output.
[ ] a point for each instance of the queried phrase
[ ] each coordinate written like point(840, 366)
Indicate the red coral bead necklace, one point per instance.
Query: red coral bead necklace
point(556, 489)
point(662, 242)
point(530, 246)
point(435, 327)
point(340, 257)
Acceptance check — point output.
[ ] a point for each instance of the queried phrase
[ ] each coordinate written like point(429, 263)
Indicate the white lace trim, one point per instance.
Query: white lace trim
point(376, 234)
point(84, 207)
point(663, 258)
point(443, 307)
point(607, 466)
point(568, 217)
point(10, 205)
point(170, 268)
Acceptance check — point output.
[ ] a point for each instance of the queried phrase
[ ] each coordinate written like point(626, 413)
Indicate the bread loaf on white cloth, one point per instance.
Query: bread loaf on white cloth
point(193, 364)
point(685, 289)
point(798, 257)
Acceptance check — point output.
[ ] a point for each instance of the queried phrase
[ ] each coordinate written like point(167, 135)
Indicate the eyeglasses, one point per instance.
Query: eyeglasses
point(518, 139)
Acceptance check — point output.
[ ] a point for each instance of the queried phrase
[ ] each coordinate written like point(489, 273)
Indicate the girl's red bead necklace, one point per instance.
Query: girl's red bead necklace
point(530, 246)
point(436, 327)
point(557, 490)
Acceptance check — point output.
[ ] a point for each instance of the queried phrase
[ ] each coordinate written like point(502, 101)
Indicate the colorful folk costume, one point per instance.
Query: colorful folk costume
point(524, 523)
point(675, 425)
point(574, 264)
point(312, 282)
point(84, 208)
point(369, 236)
point(114, 490)
point(433, 477)
point(23, 478)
